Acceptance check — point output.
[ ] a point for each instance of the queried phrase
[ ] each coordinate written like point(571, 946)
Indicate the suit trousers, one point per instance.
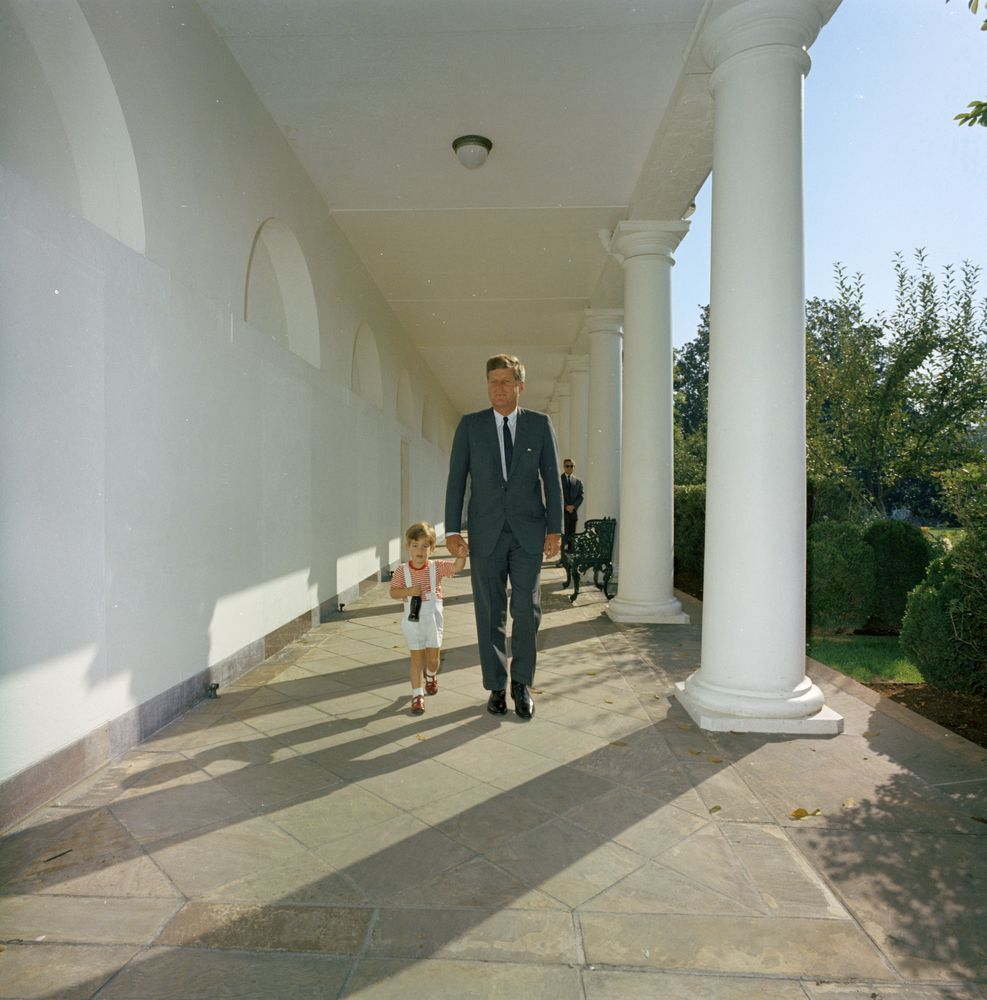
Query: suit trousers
point(571, 520)
point(490, 574)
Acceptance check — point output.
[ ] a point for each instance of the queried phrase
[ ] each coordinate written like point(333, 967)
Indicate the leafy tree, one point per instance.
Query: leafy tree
point(891, 400)
point(690, 458)
point(691, 381)
point(973, 5)
point(977, 115)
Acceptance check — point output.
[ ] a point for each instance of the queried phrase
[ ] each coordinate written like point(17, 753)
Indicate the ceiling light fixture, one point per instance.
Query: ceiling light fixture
point(472, 150)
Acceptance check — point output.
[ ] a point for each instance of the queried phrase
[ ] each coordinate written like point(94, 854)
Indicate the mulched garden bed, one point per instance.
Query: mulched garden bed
point(963, 714)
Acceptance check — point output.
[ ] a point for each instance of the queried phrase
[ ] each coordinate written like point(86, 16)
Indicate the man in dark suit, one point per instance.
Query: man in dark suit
point(510, 457)
point(572, 498)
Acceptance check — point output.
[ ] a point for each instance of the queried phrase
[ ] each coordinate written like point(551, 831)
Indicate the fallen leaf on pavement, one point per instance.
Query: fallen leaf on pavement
point(801, 813)
point(715, 809)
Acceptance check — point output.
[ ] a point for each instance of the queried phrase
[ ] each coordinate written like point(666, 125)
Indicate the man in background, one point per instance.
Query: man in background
point(572, 498)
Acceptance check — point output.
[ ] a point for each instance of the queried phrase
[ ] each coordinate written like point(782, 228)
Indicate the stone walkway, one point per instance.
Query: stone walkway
point(303, 836)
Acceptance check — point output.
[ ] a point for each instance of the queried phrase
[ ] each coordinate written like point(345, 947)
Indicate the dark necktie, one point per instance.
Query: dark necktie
point(508, 446)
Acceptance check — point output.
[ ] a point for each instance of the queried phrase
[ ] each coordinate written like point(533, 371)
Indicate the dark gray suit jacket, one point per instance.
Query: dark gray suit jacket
point(574, 493)
point(518, 502)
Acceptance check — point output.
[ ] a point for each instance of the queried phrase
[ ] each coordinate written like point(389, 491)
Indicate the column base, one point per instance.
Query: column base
point(647, 613)
point(821, 722)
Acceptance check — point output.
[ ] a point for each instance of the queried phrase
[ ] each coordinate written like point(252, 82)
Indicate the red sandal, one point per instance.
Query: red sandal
point(418, 705)
point(431, 683)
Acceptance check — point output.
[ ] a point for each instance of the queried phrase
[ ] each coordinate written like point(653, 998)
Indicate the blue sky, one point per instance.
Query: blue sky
point(886, 167)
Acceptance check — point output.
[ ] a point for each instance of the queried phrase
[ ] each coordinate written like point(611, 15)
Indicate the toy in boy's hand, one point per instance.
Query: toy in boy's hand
point(416, 606)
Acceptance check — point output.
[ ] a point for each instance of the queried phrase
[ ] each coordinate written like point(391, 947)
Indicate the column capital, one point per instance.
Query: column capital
point(641, 238)
point(575, 363)
point(603, 321)
point(756, 23)
point(562, 389)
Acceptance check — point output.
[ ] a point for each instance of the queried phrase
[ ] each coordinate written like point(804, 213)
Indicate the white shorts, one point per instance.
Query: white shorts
point(426, 633)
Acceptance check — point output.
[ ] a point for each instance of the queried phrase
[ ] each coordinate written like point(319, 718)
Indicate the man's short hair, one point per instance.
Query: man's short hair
point(421, 529)
point(506, 361)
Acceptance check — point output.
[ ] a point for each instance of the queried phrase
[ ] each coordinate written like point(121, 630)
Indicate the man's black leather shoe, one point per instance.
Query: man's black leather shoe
point(523, 705)
point(497, 703)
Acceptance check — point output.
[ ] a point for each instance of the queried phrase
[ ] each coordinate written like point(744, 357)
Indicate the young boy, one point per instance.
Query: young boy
point(422, 624)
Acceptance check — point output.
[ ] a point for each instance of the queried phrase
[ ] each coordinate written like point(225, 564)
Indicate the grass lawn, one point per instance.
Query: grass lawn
point(864, 657)
point(948, 535)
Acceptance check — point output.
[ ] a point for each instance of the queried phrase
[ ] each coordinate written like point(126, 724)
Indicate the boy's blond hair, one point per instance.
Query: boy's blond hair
point(421, 529)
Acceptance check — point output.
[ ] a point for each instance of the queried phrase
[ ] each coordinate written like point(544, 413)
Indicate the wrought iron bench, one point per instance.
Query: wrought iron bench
point(592, 549)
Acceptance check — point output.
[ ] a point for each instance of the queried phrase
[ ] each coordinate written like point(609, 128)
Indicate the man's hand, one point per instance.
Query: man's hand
point(457, 546)
point(552, 545)
point(570, 507)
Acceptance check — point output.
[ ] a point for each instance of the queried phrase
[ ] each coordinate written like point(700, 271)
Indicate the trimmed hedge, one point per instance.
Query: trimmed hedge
point(901, 556)
point(840, 579)
point(690, 537)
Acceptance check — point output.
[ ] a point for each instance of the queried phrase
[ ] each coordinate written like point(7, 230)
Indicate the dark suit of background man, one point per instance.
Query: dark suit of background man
point(572, 498)
point(510, 457)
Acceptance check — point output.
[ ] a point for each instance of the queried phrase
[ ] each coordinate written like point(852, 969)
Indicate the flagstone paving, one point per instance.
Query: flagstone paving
point(304, 835)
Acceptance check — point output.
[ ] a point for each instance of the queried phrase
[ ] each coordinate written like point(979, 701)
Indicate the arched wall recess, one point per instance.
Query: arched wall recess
point(406, 401)
point(366, 380)
point(445, 435)
point(428, 421)
point(92, 117)
point(278, 294)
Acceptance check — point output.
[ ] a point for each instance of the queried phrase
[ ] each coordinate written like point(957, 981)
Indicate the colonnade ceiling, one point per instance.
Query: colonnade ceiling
point(598, 110)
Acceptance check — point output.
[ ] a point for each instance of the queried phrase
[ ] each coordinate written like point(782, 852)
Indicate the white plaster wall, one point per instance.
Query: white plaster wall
point(174, 482)
point(32, 134)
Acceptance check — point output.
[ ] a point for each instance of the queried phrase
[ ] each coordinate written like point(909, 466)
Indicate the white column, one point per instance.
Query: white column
point(752, 677)
point(562, 426)
point(578, 367)
point(602, 473)
point(645, 593)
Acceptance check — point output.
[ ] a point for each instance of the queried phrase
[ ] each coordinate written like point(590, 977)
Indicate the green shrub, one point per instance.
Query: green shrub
point(945, 625)
point(901, 557)
point(690, 538)
point(840, 578)
point(940, 629)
